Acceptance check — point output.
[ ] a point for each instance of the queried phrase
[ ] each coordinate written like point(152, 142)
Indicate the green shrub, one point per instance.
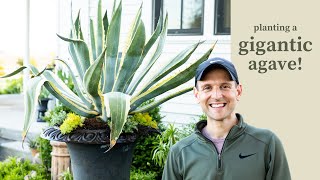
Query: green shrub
point(168, 138)
point(141, 175)
point(57, 115)
point(45, 150)
point(142, 155)
point(17, 169)
point(66, 175)
point(13, 86)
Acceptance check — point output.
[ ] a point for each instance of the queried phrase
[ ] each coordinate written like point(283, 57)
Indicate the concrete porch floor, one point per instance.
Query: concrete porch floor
point(11, 125)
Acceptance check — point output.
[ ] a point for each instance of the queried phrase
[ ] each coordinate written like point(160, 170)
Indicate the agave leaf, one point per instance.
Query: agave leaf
point(78, 108)
point(81, 51)
point(170, 82)
point(135, 82)
point(173, 64)
point(77, 85)
point(119, 104)
point(130, 60)
point(105, 25)
point(155, 56)
point(31, 102)
point(14, 72)
point(53, 78)
point(92, 40)
point(77, 27)
point(156, 103)
point(63, 88)
point(75, 60)
point(92, 79)
point(41, 72)
point(105, 29)
point(112, 52)
point(100, 32)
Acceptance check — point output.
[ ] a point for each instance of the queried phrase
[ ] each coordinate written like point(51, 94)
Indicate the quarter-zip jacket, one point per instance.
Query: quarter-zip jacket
point(248, 153)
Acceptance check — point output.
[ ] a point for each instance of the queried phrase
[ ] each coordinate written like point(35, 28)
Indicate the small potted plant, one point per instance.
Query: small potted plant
point(33, 145)
point(43, 104)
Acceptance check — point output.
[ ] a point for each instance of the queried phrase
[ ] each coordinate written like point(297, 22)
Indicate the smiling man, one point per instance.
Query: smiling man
point(224, 147)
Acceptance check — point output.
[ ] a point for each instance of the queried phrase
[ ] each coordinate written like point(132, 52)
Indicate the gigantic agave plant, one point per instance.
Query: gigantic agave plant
point(107, 84)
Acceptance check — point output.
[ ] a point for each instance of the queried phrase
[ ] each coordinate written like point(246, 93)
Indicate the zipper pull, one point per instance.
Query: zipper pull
point(219, 160)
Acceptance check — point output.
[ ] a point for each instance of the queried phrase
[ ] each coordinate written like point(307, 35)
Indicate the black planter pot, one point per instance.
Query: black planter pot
point(89, 159)
point(42, 108)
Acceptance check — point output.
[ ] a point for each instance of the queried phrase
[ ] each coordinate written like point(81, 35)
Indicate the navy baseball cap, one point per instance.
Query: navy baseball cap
point(219, 62)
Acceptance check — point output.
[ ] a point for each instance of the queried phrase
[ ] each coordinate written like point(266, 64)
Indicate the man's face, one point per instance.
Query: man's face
point(217, 95)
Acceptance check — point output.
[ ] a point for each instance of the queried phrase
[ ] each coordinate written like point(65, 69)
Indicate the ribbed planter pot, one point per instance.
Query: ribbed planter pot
point(89, 159)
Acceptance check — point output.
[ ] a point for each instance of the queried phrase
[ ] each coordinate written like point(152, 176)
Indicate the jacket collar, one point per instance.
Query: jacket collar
point(235, 131)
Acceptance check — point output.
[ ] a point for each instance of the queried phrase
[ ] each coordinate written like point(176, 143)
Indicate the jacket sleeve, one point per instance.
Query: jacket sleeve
point(170, 171)
point(278, 168)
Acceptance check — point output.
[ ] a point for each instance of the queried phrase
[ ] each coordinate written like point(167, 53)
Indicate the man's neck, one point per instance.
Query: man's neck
point(220, 129)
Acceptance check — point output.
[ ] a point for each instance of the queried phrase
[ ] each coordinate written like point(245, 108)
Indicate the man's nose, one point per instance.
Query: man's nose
point(216, 93)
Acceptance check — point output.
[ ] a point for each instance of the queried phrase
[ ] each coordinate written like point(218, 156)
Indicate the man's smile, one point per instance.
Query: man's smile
point(217, 105)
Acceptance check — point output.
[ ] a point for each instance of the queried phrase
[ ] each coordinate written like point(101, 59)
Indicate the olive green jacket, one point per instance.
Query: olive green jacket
point(248, 153)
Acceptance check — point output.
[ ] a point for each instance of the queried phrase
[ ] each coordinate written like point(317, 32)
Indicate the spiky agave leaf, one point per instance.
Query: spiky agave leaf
point(30, 102)
point(150, 62)
point(111, 60)
point(119, 106)
point(156, 103)
point(171, 65)
point(169, 83)
point(92, 80)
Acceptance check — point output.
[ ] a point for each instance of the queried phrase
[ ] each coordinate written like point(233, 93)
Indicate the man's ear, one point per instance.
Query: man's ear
point(239, 91)
point(196, 94)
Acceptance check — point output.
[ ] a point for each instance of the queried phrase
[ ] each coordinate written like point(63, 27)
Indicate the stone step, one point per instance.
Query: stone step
point(15, 134)
point(14, 148)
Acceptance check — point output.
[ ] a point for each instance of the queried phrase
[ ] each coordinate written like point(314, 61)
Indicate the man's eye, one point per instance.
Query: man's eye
point(225, 86)
point(206, 88)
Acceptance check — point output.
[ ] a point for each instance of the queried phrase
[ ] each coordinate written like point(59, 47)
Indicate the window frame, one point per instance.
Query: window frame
point(219, 22)
point(157, 6)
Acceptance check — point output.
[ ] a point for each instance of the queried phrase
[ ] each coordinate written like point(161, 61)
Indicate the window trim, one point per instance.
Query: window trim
point(176, 32)
point(216, 16)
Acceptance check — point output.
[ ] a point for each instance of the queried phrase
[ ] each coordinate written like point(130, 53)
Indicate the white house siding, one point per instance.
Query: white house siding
point(182, 109)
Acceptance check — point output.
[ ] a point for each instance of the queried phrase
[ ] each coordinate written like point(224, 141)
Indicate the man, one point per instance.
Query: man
point(224, 147)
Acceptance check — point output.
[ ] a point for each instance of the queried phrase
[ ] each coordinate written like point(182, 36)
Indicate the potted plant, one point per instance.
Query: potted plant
point(33, 145)
point(43, 104)
point(110, 87)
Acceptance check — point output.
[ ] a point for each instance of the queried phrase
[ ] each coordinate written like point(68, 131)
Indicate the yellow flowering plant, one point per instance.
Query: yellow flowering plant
point(72, 122)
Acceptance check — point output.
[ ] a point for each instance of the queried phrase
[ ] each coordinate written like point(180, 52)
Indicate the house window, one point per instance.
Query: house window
point(185, 17)
point(222, 17)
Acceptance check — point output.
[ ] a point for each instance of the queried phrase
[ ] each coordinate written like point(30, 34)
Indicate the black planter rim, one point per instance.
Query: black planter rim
point(85, 136)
